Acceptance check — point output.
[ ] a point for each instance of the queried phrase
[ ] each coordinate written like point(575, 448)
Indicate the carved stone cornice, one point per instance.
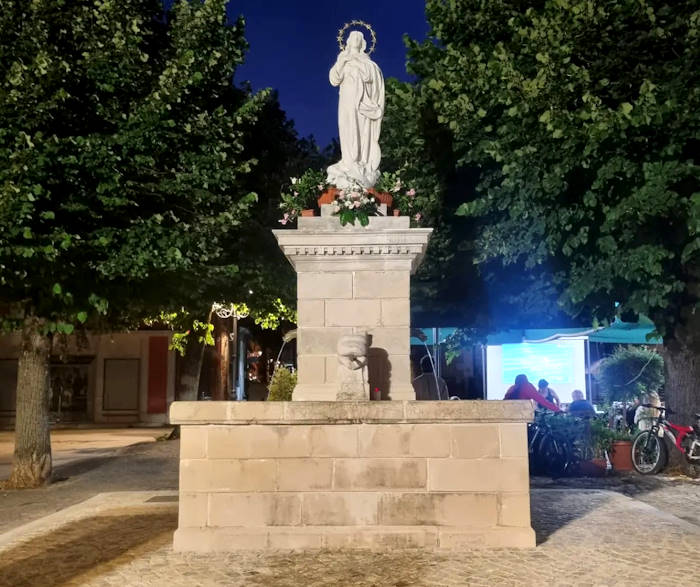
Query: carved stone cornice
point(321, 240)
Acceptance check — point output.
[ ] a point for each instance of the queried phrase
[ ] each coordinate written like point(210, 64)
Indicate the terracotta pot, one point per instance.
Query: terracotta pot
point(308, 212)
point(383, 197)
point(396, 212)
point(328, 196)
point(621, 455)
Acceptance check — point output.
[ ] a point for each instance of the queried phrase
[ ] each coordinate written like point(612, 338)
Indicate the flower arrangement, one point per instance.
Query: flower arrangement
point(404, 196)
point(302, 194)
point(355, 204)
point(351, 204)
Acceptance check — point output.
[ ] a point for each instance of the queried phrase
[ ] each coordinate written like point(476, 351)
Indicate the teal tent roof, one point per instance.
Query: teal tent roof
point(617, 333)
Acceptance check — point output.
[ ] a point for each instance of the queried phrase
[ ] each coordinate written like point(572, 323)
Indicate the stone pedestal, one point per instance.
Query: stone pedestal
point(353, 280)
point(365, 474)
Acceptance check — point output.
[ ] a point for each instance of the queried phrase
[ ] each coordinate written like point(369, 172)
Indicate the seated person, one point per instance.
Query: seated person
point(523, 389)
point(424, 384)
point(547, 392)
point(580, 407)
point(644, 417)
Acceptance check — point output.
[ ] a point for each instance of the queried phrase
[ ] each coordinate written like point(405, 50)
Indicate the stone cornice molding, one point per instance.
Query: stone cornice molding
point(380, 241)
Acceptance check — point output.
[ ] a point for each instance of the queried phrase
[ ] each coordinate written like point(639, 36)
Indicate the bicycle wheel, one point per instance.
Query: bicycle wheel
point(553, 456)
point(649, 454)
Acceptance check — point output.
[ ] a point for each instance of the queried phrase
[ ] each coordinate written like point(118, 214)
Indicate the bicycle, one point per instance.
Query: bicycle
point(551, 452)
point(649, 452)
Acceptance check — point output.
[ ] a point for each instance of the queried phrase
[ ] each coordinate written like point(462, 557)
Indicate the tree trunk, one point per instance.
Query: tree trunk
point(190, 370)
point(681, 352)
point(32, 459)
point(221, 385)
point(682, 366)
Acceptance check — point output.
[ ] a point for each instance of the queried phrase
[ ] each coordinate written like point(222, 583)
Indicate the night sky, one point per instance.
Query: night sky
point(293, 45)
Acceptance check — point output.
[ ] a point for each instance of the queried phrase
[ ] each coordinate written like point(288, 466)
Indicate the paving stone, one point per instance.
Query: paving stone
point(610, 531)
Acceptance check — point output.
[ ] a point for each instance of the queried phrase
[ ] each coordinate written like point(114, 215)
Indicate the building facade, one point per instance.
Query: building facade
point(118, 378)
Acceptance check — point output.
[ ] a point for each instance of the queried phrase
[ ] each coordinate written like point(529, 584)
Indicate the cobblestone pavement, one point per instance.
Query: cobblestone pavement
point(148, 466)
point(677, 495)
point(585, 537)
point(619, 530)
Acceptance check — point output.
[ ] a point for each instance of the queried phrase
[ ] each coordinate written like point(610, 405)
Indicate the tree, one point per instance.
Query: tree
point(630, 372)
point(581, 117)
point(121, 168)
point(449, 288)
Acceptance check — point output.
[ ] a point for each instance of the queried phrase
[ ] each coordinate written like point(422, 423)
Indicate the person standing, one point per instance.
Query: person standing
point(428, 385)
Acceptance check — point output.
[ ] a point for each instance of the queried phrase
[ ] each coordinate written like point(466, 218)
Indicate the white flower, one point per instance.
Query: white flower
point(294, 180)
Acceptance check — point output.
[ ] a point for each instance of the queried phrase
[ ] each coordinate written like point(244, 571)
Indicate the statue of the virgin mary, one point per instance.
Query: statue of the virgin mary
point(360, 111)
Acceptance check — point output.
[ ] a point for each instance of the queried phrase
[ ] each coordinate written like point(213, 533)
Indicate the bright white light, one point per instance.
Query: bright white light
point(561, 362)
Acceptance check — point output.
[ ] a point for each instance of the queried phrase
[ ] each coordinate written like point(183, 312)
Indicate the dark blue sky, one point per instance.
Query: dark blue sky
point(293, 45)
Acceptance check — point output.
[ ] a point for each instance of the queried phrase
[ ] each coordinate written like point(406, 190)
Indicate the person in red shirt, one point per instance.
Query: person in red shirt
point(523, 389)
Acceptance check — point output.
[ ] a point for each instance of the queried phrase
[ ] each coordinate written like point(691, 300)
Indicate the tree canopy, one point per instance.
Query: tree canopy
point(127, 184)
point(580, 120)
point(123, 142)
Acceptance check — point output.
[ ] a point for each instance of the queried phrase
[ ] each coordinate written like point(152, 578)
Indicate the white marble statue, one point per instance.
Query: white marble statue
point(360, 111)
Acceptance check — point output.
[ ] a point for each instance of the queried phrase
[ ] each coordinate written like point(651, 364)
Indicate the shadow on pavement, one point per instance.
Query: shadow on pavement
point(79, 467)
point(86, 548)
point(552, 510)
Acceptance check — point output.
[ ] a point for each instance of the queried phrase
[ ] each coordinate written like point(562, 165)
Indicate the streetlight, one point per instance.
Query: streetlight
point(232, 311)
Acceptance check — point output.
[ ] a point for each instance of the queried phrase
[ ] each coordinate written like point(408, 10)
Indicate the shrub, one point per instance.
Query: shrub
point(281, 385)
point(630, 372)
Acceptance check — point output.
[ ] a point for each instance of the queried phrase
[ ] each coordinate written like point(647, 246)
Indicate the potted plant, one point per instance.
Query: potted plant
point(301, 195)
point(621, 451)
point(355, 204)
point(601, 438)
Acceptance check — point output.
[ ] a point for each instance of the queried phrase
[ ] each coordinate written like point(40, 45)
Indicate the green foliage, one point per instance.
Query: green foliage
point(305, 191)
point(203, 330)
point(282, 385)
point(601, 437)
point(578, 122)
point(460, 339)
point(122, 165)
point(631, 372)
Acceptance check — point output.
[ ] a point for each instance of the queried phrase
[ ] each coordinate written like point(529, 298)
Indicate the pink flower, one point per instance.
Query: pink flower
point(341, 195)
point(284, 219)
point(411, 192)
point(320, 186)
point(357, 204)
point(417, 217)
point(296, 193)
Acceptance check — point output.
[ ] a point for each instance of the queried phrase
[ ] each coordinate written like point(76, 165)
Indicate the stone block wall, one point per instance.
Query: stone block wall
point(353, 474)
point(353, 280)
